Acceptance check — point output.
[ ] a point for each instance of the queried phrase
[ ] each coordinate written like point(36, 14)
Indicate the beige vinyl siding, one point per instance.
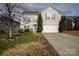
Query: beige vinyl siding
point(52, 21)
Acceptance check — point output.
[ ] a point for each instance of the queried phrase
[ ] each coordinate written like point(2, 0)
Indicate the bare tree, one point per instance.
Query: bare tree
point(8, 13)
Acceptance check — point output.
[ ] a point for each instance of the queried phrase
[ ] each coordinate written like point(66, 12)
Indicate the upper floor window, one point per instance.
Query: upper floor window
point(28, 19)
point(50, 16)
point(47, 16)
point(24, 19)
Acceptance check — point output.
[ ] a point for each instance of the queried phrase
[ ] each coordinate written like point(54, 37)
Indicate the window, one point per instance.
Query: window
point(47, 16)
point(34, 20)
point(27, 27)
point(24, 27)
point(50, 16)
point(24, 20)
point(28, 19)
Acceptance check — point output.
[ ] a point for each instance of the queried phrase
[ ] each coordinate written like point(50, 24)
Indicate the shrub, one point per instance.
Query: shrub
point(2, 32)
point(20, 31)
point(62, 24)
point(39, 24)
point(27, 30)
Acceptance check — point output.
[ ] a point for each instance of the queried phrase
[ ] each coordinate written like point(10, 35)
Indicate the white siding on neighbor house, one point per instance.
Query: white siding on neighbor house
point(33, 20)
point(51, 24)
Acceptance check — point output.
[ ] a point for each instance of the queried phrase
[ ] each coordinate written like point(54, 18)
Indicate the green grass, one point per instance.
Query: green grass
point(3, 35)
point(6, 35)
point(24, 38)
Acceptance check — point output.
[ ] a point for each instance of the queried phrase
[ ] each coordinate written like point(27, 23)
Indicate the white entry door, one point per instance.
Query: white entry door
point(34, 28)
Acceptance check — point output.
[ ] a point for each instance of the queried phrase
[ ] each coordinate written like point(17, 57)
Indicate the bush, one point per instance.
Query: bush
point(60, 27)
point(2, 32)
point(39, 24)
point(27, 30)
point(62, 24)
point(20, 31)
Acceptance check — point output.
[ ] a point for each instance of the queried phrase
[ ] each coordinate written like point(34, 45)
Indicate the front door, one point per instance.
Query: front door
point(34, 27)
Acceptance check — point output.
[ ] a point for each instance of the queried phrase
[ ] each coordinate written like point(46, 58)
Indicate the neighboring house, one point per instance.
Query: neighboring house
point(69, 25)
point(5, 28)
point(70, 22)
point(76, 23)
point(50, 16)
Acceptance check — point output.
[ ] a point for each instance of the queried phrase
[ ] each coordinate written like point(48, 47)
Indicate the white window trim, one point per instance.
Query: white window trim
point(50, 16)
point(27, 19)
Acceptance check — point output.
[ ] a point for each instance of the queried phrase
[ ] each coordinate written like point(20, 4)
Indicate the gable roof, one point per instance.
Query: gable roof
point(39, 11)
point(30, 12)
point(52, 8)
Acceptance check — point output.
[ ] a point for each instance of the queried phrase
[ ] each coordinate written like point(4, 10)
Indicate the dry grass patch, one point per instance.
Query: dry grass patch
point(30, 49)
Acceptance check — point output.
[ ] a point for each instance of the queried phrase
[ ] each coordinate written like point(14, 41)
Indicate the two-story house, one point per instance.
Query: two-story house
point(50, 16)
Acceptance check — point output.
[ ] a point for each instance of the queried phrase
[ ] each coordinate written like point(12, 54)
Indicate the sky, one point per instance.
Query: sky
point(68, 9)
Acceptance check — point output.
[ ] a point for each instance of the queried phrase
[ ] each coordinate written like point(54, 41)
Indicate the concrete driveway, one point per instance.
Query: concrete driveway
point(65, 45)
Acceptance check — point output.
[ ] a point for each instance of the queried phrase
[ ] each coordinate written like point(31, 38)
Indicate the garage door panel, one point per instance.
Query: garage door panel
point(50, 28)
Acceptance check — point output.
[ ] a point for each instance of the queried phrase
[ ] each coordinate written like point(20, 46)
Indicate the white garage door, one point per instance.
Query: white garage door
point(50, 29)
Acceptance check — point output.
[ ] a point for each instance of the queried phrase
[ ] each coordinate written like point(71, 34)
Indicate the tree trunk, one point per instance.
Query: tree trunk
point(10, 32)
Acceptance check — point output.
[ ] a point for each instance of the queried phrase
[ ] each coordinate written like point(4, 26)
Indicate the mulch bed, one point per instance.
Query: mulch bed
point(49, 46)
point(74, 33)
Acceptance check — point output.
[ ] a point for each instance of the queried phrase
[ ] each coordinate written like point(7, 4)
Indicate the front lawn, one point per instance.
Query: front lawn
point(6, 35)
point(23, 38)
point(3, 36)
point(28, 44)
